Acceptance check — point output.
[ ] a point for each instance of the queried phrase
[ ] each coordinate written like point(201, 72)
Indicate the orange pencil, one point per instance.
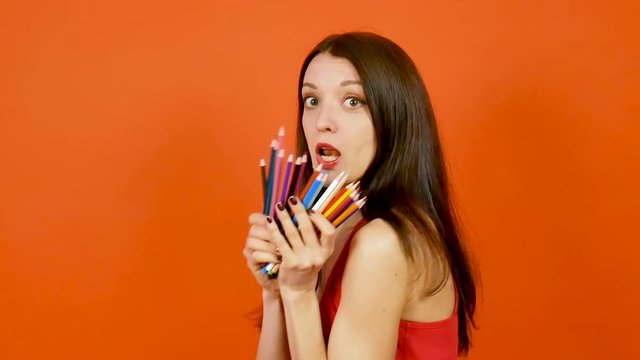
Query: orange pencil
point(311, 180)
point(350, 211)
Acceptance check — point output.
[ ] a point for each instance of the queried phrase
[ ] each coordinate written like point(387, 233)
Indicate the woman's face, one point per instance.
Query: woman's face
point(336, 119)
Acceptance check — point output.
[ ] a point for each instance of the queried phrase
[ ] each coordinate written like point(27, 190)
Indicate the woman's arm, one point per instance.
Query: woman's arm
point(304, 326)
point(259, 250)
point(273, 336)
point(374, 291)
point(304, 252)
point(374, 288)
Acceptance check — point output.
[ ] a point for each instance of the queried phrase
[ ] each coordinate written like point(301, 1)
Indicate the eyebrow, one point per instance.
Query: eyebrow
point(344, 83)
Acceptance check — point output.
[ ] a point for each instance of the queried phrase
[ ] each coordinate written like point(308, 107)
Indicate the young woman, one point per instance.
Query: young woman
point(395, 280)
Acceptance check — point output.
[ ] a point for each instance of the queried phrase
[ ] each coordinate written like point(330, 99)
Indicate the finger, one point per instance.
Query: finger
point(290, 230)
point(260, 232)
point(278, 239)
point(261, 257)
point(305, 227)
point(256, 244)
point(258, 219)
point(327, 230)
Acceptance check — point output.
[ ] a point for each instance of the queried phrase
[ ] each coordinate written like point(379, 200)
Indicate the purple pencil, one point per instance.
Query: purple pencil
point(294, 177)
point(286, 179)
point(303, 167)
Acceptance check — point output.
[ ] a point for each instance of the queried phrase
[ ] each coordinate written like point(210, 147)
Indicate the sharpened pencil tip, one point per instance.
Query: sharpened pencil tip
point(281, 131)
point(263, 163)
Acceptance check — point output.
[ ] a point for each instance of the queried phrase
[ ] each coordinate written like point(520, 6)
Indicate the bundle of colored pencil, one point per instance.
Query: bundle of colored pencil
point(335, 201)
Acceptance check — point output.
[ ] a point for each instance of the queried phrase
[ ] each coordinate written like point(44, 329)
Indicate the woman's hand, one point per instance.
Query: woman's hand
point(259, 250)
point(303, 252)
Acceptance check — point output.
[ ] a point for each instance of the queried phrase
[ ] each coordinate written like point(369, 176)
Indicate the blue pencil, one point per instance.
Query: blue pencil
point(314, 191)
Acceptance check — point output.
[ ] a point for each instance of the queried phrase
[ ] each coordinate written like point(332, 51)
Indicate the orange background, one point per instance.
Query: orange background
point(130, 135)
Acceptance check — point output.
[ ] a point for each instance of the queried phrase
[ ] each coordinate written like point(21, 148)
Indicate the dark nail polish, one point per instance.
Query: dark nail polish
point(293, 200)
point(280, 206)
point(269, 219)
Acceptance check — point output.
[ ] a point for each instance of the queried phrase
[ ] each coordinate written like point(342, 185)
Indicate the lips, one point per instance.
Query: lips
point(327, 155)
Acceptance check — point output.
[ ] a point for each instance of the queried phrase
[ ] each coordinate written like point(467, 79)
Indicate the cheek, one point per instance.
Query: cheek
point(368, 152)
point(306, 130)
point(365, 152)
point(309, 136)
point(307, 125)
point(369, 143)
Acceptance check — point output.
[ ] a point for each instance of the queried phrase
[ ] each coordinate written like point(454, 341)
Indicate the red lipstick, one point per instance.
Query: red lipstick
point(327, 155)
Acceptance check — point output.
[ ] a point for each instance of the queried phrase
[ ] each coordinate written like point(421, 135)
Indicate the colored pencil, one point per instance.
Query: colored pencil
point(333, 188)
point(263, 177)
point(294, 178)
point(343, 197)
point(313, 177)
point(267, 268)
point(336, 197)
point(281, 138)
point(274, 270)
point(314, 190)
point(353, 197)
point(303, 167)
point(350, 211)
point(276, 177)
point(337, 192)
point(267, 202)
point(286, 179)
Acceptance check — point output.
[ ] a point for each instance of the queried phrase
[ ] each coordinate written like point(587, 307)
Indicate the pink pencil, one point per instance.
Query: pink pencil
point(281, 137)
point(276, 181)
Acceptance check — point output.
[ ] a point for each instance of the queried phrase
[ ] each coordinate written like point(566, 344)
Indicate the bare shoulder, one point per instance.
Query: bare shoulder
point(376, 238)
point(376, 247)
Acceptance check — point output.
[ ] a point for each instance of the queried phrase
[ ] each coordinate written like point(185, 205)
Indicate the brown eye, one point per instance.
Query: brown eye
point(310, 101)
point(353, 102)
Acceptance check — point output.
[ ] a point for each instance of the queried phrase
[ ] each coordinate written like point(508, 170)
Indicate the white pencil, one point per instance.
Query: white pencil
point(331, 191)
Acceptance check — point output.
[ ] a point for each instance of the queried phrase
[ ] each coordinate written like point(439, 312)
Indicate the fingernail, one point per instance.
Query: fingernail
point(280, 206)
point(269, 219)
point(311, 212)
point(293, 200)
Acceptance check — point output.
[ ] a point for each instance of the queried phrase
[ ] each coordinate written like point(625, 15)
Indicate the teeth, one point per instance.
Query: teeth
point(329, 158)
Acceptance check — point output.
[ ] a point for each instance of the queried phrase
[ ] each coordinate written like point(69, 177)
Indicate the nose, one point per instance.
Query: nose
point(327, 119)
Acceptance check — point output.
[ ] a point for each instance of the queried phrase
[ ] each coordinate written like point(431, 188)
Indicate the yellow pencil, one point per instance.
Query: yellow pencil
point(350, 188)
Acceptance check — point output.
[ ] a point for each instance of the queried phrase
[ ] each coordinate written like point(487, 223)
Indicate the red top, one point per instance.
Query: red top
point(436, 340)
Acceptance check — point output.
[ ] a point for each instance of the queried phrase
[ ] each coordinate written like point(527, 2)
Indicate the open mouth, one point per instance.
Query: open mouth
point(327, 155)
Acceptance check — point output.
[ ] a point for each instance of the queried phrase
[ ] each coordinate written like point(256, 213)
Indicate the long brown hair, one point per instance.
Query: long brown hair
point(406, 183)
